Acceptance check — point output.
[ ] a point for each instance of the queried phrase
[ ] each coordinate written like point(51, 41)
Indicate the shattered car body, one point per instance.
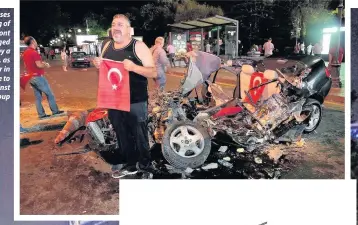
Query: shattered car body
point(251, 118)
point(293, 108)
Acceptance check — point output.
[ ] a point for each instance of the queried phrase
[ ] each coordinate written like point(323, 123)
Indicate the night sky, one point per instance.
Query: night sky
point(77, 9)
point(354, 48)
point(33, 14)
point(354, 58)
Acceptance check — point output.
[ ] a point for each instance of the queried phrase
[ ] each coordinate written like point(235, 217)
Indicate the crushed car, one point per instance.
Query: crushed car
point(294, 107)
point(278, 105)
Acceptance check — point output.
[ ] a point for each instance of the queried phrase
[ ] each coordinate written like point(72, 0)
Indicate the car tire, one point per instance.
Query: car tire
point(316, 115)
point(184, 162)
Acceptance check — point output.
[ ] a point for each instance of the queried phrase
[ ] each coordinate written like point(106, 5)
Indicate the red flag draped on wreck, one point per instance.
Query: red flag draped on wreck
point(113, 86)
point(257, 78)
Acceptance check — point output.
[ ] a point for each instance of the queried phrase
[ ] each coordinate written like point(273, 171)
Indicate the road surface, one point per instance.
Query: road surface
point(82, 184)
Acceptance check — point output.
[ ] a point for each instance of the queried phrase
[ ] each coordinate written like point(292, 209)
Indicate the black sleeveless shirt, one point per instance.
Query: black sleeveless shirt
point(138, 84)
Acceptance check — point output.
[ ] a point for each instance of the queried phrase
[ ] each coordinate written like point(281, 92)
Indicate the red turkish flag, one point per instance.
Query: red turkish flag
point(257, 78)
point(113, 86)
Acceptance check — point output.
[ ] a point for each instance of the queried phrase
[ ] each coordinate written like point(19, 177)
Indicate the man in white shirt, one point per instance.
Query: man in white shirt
point(207, 47)
point(317, 49)
point(268, 47)
point(302, 48)
point(309, 49)
point(171, 51)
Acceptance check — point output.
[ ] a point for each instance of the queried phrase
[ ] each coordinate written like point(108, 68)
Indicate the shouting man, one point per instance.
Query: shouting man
point(131, 127)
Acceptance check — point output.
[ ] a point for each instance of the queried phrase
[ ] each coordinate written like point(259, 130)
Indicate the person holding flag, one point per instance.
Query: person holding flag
point(133, 64)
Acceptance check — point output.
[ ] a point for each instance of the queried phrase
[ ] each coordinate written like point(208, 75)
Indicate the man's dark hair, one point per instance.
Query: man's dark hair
point(28, 40)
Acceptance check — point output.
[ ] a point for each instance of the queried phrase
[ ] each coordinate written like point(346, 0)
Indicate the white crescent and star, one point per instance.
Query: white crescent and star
point(119, 74)
point(257, 78)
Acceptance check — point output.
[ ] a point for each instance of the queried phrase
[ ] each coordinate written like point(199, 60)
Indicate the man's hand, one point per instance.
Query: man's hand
point(47, 65)
point(97, 62)
point(128, 65)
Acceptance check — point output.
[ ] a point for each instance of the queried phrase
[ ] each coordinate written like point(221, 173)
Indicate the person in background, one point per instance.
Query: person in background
point(309, 49)
point(52, 53)
point(302, 48)
point(207, 47)
point(171, 51)
point(161, 62)
point(35, 66)
point(297, 48)
point(189, 46)
point(64, 58)
point(317, 49)
point(268, 47)
point(108, 38)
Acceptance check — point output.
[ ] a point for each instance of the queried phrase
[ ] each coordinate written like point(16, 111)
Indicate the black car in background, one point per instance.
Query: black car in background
point(78, 59)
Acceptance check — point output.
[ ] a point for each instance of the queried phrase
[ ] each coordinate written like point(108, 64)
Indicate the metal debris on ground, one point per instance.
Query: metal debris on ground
point(188, 170)
point(300, 143)
point(275, 154)
point(173, 170)
point(227, 159)
point(258, 160)
point(225, 163)
point(223, 149)
point(210, 166)
point(240, 150)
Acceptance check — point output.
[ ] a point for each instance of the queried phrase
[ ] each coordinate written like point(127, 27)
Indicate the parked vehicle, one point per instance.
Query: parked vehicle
point(79, 59)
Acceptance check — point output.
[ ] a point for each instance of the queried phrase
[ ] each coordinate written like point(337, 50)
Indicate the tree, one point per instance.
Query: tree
point(94, 21)
point(192, 10)
point(309, 13)
point(45, 29)
point(256, 19)
point(157, 15)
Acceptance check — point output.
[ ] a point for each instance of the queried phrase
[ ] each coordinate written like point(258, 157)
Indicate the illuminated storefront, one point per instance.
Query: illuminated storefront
point(326, 38)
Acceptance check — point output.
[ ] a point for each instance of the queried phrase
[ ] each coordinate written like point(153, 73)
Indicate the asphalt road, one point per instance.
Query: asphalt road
point(82, 184)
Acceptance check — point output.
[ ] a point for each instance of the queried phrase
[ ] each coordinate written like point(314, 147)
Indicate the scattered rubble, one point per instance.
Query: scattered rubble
point(258, 160)
point(188, 170)
point(240, 150)
point(223, 149)
point(210, 166)
point(301, 143)
point(275, 154)
point(225, 163)
point(227, 159)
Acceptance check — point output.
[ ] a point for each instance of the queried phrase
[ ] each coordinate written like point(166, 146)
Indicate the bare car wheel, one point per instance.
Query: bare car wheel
point(186, 145)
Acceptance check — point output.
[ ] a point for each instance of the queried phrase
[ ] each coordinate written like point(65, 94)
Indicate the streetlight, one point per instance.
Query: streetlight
point(69, 35)
point(61, 35)
point(79, 30)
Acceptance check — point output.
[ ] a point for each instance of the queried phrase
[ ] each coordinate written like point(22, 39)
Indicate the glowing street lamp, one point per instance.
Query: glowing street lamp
point(61, 35)
point(79, 30)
